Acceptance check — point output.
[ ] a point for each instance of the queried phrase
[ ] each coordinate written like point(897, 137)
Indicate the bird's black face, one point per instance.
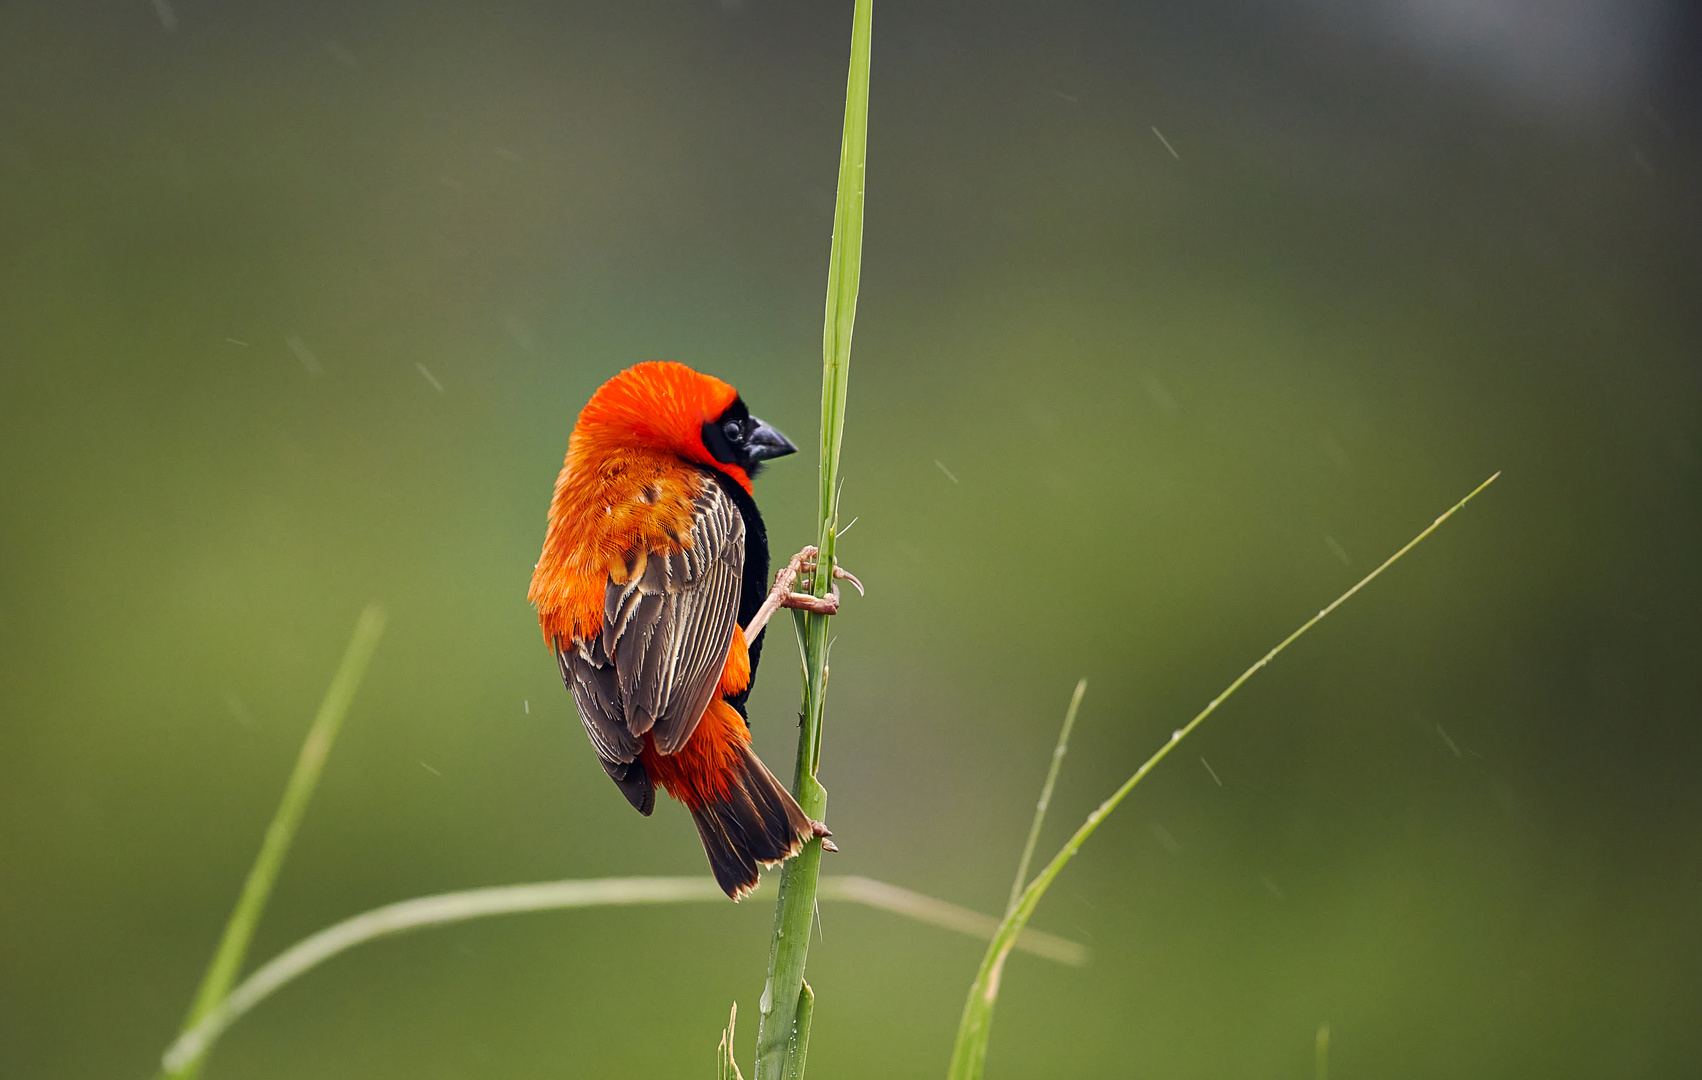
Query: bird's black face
point(738, 438)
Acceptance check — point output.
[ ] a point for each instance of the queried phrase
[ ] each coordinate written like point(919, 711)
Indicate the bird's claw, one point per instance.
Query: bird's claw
point(841, 572)
point(822, 605)
point(782, 596)
point(804, 562)
point(822, 832)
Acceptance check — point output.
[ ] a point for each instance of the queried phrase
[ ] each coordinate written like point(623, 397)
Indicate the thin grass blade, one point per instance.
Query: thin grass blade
point(444, 909)
point(726, 1063)
point(969, 1054)
point(1058, 752)
point(947, 916)
point(233, 946)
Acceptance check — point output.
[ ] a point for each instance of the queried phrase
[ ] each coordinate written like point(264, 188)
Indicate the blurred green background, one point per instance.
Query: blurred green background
point(300, 301)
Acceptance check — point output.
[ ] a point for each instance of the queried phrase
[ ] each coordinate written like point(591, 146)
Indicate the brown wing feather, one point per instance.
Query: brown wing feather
point(674, 622)
point(666, 632)
point(590, 675)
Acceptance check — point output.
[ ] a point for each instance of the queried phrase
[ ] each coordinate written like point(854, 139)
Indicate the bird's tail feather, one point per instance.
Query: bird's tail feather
point(757, 824)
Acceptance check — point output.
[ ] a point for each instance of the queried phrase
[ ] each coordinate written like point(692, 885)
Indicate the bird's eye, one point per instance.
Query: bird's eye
point(734, 430)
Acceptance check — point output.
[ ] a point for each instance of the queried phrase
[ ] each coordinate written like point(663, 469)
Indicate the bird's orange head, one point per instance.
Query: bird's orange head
point(628, 483)
point(662, 405)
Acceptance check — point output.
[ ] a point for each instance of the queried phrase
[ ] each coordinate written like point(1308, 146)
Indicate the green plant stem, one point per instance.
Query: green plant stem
point(782, 1028)
point(806, 1011)
point(969, 1054)
point(1058, 752)
point(233, 946)
point(443, 909)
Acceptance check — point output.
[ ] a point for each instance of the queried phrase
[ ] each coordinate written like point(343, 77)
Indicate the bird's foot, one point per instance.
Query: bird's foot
point(782, 595)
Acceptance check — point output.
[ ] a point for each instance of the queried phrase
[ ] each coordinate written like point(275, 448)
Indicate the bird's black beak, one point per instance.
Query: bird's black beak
point(764, 442)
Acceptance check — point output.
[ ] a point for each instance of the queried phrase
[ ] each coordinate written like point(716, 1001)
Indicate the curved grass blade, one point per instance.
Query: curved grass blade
point(946, 916)
point(233, 946)
point(969, 1054)
point(446, 908)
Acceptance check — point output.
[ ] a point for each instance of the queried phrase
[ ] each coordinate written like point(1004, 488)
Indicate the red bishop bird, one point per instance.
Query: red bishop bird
point(652, 592)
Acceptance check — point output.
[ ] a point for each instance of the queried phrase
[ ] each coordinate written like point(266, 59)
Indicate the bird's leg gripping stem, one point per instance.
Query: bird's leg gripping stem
point(782, 595)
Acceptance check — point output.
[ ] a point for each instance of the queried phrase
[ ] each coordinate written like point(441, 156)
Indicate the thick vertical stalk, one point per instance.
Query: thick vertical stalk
point(783, 1028)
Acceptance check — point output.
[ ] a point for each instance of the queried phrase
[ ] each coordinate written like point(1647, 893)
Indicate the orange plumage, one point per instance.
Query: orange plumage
point(654, 561)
